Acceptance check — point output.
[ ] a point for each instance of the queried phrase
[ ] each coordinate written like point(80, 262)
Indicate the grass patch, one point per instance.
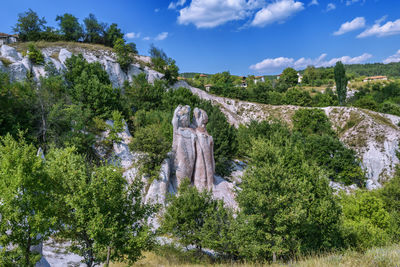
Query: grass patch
point(73, 46)
point(375, 257)
point(354, 119)
point(6, 62)
point(380, 119)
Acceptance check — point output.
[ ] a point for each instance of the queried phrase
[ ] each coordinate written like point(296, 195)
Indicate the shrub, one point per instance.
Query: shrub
point(365, 220)
point(123, 54)
point(286, 205)
point(35, 55)
point(311, 121)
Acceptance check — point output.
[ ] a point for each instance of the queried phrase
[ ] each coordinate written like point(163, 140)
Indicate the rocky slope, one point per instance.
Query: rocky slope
point(374, 136)
point(19, 65)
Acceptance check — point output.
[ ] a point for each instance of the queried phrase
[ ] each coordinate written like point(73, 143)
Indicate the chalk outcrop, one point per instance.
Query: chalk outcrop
point(21, 65)
point(372, 135)
point(193, 148)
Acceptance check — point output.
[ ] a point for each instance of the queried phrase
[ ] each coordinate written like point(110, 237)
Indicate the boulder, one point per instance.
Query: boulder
point(17, 71)
point(10, 53)
point(63, 55)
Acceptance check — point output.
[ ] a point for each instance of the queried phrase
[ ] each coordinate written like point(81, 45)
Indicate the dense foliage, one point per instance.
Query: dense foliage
point(30, 27)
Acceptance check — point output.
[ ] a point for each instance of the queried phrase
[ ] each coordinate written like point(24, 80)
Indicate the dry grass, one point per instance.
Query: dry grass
point(73, 46)
point(6, 62)
point(376, 257)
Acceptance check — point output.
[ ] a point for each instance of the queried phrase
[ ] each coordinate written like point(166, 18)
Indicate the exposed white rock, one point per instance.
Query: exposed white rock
point(63, 55)
point(57, 255)
point(161, 187)
point(17, 71)
point(374, 136)
point(10, 53)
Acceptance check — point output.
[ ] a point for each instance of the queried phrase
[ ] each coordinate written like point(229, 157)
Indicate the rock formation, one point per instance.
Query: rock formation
point(374, 136)
point(21, 65)
point(193, 148)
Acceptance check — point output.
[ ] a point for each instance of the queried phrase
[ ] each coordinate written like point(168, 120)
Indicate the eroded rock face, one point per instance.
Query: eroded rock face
point(193, 148)
point(58, 55)
point(374, 136)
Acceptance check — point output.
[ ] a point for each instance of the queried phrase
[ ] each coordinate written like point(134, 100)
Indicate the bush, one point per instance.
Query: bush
point(365, 220)
point(35, 55)
point(195, 218)
point(286, 205)
point(311, 121)
point(123, 54)
point(153, 142)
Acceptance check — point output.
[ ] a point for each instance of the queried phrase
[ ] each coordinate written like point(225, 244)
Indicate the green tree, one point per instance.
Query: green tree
point(123, 54)
point(286, 204)
point(94, 30)
point(29, 26)
point(89, 85)
point(142, 95)
point(102, 215)
point(26, 196)
point(162, 63)
point(390, 194)
point(113, 33)
point(289, 77)
point(341, 82)
point(186, 214)
point(70, 27)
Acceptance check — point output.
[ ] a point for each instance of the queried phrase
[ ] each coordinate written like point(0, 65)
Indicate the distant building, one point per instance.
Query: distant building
point(244, 82)
point(203, 75)
point(278, 76)
point(375, 78)
point(259, 79)
point(7, 38)
point(208, 86)
point(181, 78)
point(299, 77)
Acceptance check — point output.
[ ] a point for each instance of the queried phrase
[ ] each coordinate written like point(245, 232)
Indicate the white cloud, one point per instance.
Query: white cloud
point(276, 12)
point(393, 58)
point(278, 64)
point(330, 6)
point(349, 26)
point(313, 3)
point(161, 36)
point(389, 28)
point(156, 10)
point(174, 5)
point(132, 35)
point(212, 13)
point(146, 38)
point(350, 2)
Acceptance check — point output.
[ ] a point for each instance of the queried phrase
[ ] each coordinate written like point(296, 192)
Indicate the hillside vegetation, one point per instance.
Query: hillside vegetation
point(63, 117)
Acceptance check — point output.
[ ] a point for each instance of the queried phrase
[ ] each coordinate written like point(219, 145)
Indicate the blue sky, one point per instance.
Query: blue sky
point(242, 36)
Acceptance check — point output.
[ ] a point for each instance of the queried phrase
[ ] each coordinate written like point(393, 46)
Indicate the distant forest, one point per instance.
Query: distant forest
point(391, 70)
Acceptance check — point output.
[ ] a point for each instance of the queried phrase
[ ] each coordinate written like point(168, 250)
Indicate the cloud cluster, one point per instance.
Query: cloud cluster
point(330, 6)
point(389, 28)
point(174, 5)
point(132, 35)
point(350, 2)
point(213, 13)
point(277, 64)
point(161, 36)
point(393, 58)
point(276, 12)
point(349, 26)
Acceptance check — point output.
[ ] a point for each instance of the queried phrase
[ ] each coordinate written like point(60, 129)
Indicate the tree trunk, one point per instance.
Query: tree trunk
point(108, 256)
point(28, 250)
